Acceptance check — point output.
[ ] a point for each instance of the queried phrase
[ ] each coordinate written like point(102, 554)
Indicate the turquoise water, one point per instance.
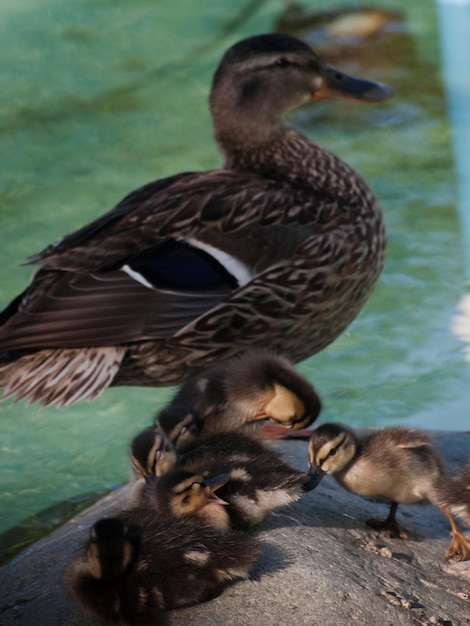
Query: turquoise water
point(99, 97)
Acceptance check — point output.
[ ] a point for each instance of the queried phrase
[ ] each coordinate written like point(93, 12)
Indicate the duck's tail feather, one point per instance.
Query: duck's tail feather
point(60, 376)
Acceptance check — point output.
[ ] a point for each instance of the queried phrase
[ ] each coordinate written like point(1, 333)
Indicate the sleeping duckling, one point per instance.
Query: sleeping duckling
point(396, 465)
point(453, 495)
point(138, 564)
point(258, 478)
point(237, 394)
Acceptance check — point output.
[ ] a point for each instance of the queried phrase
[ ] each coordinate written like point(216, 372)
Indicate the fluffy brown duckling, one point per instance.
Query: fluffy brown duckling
point(259, 480)
point(151, 452)
point(139, 564)
point(182, 426)
point(236, 395)
point(396, 465)
point(185, 493)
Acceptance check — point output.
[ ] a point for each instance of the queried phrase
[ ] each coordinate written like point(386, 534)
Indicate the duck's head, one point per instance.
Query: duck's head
point(330, 449)
point(152, 453)
point(181, 425)
point(110, 550)
point(261, 78)
point(184, 493)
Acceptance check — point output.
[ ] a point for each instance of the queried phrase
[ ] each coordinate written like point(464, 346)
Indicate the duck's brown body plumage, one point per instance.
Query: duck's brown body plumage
point(281, 247)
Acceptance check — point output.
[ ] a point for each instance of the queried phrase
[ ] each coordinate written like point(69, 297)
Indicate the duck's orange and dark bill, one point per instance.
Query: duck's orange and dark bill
point(338, 84)
point(214, 483)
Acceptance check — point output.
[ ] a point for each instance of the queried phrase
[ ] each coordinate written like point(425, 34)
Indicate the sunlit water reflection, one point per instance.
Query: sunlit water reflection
point(454, 22)
point(100, 98)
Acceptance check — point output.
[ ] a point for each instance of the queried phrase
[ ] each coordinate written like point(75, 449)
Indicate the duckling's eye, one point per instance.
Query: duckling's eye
point(186, 500)
point(333, 451)
point(282, 62)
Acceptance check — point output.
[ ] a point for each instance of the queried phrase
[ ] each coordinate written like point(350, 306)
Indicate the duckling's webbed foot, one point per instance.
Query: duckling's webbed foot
point(388, 527)
point(459, 548)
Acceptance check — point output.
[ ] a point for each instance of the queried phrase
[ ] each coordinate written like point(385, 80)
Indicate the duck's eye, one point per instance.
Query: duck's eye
point(339, 77)
point(282, 62)
point(333, 451)
point(186, 499)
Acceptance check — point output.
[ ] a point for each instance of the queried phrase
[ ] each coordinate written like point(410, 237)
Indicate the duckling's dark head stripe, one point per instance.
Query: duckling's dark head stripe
point(333, 449)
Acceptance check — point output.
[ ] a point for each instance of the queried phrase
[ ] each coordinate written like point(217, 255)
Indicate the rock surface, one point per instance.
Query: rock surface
point(320, 564)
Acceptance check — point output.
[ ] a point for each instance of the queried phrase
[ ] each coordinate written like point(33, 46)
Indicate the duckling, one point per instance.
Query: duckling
point(180, 425)
point(236, 395)
point(185, 493)
point(152, 452)
point(453, 495)
point(258, 479)
point(138, 564)
point(281, 246)
point(396, 465)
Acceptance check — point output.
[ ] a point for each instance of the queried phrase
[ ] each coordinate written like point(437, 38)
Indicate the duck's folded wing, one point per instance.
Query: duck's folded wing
point(154, 295)
point(181, 206)
point(166, 256)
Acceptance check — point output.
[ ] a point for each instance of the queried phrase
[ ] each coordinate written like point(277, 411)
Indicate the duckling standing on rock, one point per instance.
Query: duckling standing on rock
point(396, 465)
point(236, 395)
point(281, 247)
point(139, 564)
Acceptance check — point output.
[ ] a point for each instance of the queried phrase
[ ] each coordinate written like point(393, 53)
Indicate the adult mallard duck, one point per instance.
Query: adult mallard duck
point(280, 248)
point(395, 465)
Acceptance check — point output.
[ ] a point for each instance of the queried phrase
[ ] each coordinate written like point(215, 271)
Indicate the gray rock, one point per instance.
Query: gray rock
point(320, 565)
